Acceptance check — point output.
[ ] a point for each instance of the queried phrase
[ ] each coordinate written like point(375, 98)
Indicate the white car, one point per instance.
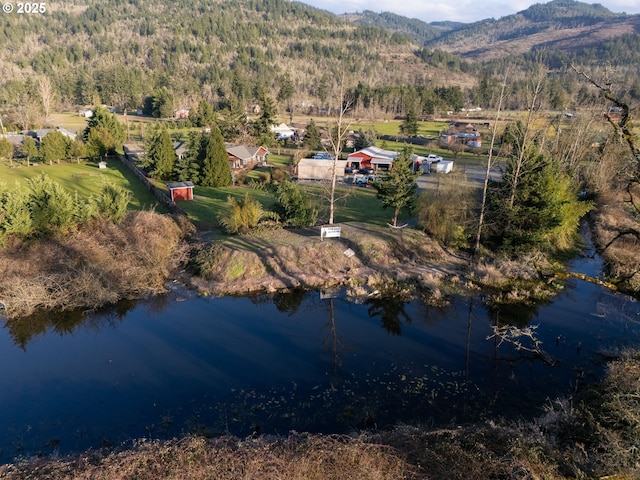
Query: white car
point(432, 157)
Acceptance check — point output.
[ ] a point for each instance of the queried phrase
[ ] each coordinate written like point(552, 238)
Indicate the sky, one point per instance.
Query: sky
point(466, 11)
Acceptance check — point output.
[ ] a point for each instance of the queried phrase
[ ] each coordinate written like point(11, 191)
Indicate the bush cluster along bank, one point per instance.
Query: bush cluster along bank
point(91, 267)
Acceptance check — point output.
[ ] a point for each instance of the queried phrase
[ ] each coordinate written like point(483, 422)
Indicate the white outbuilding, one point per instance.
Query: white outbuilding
point(319, 169)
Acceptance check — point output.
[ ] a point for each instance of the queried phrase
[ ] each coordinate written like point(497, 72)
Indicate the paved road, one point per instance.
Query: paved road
point(467, 175)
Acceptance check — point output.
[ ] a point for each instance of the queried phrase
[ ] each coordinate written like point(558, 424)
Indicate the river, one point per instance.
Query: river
point(305, 361)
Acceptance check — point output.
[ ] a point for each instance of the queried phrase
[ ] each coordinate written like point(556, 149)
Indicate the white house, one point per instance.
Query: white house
point(282, 131)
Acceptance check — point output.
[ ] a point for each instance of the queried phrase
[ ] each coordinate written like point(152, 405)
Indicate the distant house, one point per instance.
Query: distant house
point(372, 157)
point(181, 113)
point(15, 139)
point(180, 148)
point(133, 151)
point(462, 132)
point(241, 156)
point(180, 191)
point(462, 127)
point(43, 132)
point(282, 131)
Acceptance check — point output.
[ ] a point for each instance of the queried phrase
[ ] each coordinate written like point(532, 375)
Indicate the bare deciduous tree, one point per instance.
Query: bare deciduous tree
point(47, 96)
point(337, 137)
point(487, 174)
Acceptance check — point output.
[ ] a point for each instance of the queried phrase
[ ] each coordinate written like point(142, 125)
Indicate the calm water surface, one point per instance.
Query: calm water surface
point(180, 363)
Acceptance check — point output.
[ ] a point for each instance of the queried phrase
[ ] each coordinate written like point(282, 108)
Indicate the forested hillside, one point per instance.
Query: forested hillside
point(227, 50)
point(162, 55)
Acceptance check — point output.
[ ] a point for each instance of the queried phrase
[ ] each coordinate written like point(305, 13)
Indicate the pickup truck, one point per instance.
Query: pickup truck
point(365, 180)
point(432, 157)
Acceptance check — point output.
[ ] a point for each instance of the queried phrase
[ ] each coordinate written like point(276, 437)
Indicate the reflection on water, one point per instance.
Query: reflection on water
point(301, 361)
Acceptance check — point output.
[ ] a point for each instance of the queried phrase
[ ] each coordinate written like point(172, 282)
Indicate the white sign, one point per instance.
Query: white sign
point(329, 232)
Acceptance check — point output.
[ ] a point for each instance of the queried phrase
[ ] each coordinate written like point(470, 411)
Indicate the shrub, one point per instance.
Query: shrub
point(293, 207)
point(241, 214)
point(445, 213)
point(112, 202)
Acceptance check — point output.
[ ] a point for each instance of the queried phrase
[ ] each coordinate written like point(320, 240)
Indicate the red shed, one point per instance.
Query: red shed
point(180, 191)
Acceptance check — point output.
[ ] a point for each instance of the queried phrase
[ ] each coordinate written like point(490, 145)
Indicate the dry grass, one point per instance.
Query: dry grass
point(92, 267)
point(299, 456)
point(280, 259)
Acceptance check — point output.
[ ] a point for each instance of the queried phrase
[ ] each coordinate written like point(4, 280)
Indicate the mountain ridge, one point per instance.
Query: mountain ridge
point(567, 25)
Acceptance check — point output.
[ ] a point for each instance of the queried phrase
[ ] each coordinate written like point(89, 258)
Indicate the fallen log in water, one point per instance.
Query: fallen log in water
point(586, 278)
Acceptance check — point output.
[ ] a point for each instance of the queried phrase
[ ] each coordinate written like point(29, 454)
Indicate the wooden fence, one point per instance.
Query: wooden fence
point(160, 195)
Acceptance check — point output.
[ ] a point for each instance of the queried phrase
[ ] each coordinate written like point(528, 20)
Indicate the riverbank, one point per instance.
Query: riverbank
point(107, 263)
point(363, 258)
point(616, 233)
point(93, 267)
point(593, 434)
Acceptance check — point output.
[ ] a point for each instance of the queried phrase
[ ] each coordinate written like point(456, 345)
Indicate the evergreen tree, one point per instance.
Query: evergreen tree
point(285, 94)
point(262, 126)
point(293, 206)
point(312, 136)
point(6, 149)
point(53, 209)
point(112, 202)
point(216, 170)
point(409, 126)
point(29, 149)
point(204, 116)
point(365, 139)
point(234, 121)
point(108, 135)
point(99, 142)
point(188, 167)
point(161, 157)
point(54, 147)
point(545, 210)
point(77, 150)
point(397, 189)
point(162, 103)
point(15, 215)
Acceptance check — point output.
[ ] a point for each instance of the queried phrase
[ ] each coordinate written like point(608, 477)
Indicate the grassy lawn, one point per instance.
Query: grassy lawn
point(353, 204)
point(85, 178)
point(280, 160)
point(208, 203)
point(68, 120)
point(359, 204)
point(430, 130)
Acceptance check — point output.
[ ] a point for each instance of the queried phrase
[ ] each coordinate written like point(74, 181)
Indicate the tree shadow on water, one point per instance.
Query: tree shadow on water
point(391, 312)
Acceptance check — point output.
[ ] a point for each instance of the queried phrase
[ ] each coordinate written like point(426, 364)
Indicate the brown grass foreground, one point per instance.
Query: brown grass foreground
point(593, 435)
point(92, 267)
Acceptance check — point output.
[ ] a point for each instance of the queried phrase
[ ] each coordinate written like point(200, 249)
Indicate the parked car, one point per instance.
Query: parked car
point(366, 170)
point(432, 157)
point(323, 156)
point(365, 180)
point(349, 170)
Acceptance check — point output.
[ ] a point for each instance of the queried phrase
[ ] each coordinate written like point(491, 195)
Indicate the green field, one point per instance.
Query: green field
point(429, 130)
point(354, 204)
point(85, 178)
